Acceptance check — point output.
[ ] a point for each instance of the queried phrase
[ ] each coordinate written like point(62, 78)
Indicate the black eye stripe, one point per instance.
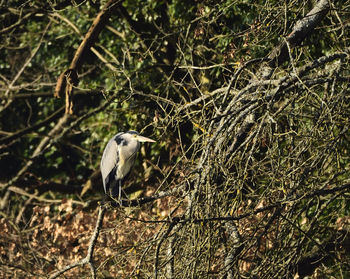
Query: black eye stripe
point(118, 140)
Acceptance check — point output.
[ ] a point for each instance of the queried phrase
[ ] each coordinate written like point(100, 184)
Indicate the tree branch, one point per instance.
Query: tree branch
point(89, 257)
point(27, 130)
point(301, 30)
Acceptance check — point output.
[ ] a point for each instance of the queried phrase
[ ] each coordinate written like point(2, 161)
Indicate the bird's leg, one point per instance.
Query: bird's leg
point(120, 190)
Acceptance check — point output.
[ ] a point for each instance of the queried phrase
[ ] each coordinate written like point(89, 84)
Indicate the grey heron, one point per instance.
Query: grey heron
point(118, 158)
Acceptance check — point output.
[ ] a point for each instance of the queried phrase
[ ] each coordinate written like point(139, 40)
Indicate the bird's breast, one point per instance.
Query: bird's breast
point(127, 158)
point(125, 166)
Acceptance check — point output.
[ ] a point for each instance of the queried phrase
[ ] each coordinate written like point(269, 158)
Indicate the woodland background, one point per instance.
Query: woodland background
point(249, 104)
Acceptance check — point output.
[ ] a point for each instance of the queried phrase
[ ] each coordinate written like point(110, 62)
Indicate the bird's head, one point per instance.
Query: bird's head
point(136, 136)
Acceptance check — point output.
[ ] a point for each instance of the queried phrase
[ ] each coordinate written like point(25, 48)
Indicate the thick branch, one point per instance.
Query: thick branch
point(92, 34)
point(302, 29)
point(63, 84)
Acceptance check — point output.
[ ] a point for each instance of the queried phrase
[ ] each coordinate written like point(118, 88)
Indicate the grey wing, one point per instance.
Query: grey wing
point(109, 162)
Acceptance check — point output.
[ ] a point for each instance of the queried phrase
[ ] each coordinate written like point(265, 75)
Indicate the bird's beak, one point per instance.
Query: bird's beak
point(144, 139)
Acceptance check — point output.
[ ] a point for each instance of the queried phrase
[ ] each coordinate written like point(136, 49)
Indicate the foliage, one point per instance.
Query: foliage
point(252, 147)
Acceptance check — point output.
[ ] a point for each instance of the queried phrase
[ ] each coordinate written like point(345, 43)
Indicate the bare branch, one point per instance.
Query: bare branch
point(89, 257)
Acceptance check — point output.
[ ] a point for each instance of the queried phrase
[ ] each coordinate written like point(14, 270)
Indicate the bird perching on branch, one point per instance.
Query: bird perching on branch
point(117, 160)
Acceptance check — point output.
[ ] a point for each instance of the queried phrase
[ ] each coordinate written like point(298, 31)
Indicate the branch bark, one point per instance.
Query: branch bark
point(65, 81)
point(301, 30)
